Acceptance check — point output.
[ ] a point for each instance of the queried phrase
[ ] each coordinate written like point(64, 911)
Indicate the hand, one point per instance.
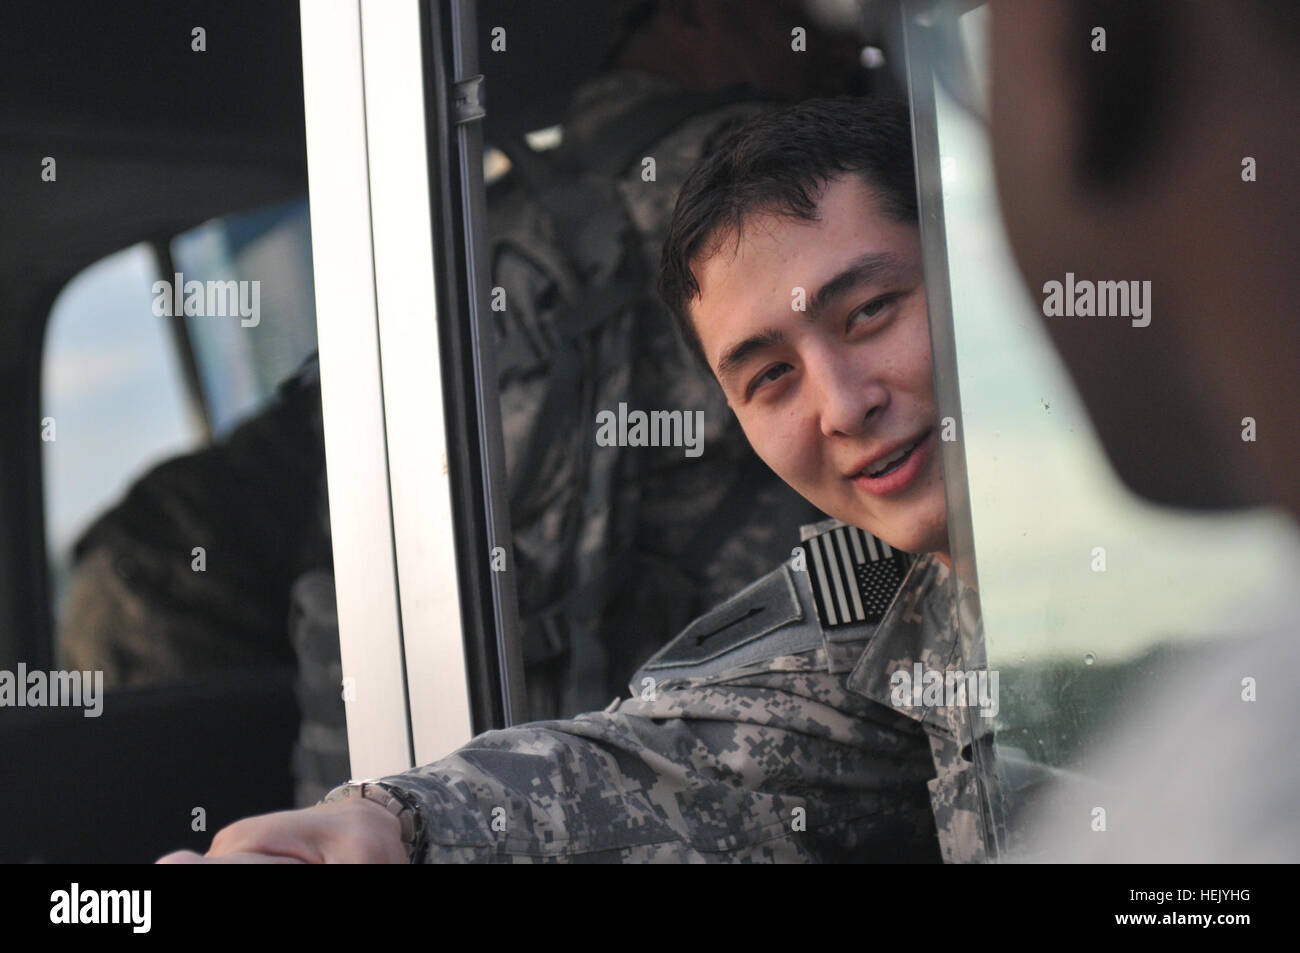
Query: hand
point(341, 832)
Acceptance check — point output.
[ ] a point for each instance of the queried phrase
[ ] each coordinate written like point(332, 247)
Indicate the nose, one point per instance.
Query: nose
point(851, 396)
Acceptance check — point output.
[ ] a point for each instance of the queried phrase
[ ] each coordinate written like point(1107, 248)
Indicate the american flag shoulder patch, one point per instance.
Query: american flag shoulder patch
point(854, 575)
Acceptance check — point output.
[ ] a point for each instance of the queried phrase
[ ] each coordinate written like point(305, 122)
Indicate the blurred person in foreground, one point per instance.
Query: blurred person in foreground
point(1172, 157)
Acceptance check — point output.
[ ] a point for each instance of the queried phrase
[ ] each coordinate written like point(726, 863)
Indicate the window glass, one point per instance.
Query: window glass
point(271, 247)
point(113, 389)
point(181, 554)
point(166, 450)
point(1089, 595)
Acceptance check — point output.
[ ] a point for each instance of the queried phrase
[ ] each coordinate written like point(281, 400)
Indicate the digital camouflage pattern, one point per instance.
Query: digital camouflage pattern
point(922, 626)
point(793, 757)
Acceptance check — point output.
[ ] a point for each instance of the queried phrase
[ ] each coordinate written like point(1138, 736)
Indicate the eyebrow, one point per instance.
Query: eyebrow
point(738, 355)
point(863, 270)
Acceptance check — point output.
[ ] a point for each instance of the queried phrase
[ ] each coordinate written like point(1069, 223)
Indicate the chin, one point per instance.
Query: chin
point(921, 528)
point(919, 534)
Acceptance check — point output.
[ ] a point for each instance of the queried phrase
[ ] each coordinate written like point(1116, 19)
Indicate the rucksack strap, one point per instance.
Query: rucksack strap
point(584, 601)
point(567, 371)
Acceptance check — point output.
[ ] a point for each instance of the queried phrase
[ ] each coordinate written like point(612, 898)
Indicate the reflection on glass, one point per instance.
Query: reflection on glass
point(271, 246)
point(114, 394)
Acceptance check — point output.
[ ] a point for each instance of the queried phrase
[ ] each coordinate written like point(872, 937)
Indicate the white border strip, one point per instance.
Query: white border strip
point(348, 334)
point(408, 338)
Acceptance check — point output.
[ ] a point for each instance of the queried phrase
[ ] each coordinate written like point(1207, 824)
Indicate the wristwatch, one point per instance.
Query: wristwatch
point(396, 802)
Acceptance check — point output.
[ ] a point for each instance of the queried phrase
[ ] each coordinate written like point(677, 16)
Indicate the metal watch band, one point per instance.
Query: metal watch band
point(396, 802)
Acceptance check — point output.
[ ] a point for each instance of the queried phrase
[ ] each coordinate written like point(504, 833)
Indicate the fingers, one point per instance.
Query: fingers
point(189, 857)
point(360, 832)
point(295, 834)
point(180, 857)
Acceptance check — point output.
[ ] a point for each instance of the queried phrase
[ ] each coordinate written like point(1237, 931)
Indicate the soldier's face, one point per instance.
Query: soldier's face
point(818, 333)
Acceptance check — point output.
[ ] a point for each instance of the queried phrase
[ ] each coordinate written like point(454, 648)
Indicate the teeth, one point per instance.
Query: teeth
point(896, 455)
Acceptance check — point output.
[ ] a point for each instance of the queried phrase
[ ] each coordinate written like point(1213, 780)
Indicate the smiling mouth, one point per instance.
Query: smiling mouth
point(892, 463)
point(898, 458)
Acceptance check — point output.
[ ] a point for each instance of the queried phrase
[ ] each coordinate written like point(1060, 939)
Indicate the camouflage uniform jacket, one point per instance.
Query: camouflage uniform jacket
point(759, 734)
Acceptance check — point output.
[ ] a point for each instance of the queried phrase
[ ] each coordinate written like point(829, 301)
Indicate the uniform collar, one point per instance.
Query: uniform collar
point(918, 628)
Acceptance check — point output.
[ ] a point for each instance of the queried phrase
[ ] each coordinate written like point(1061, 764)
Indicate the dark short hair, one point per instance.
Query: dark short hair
point(778, 163)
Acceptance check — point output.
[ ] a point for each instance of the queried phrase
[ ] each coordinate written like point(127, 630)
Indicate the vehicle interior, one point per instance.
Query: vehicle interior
point(139, 142)
point(151, 138)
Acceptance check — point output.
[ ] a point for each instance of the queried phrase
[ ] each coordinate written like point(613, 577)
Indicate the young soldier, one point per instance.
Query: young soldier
point(769, 729)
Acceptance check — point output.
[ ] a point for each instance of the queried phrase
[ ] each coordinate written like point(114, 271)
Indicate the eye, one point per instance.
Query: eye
point(869, 311)
point(766, 377)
